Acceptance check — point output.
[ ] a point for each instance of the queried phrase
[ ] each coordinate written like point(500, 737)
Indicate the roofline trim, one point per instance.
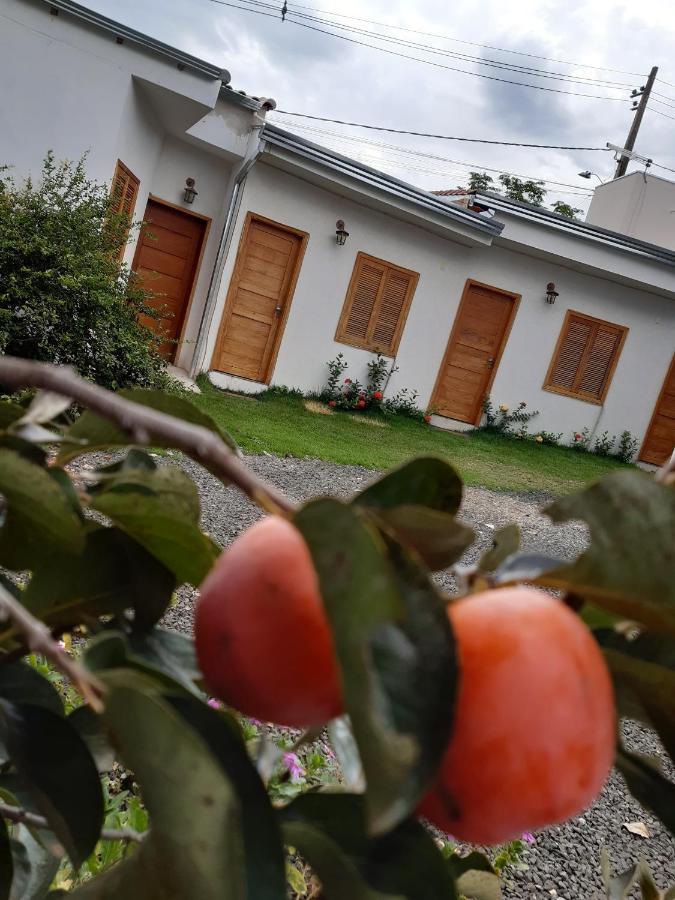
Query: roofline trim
point(580, 229)
point(138, 37)
point(289, 141)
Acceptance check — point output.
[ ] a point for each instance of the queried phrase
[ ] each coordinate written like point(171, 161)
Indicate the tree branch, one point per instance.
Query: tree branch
point(39, 640)
point(667, 470)
point(143, 424)
point(17, 814)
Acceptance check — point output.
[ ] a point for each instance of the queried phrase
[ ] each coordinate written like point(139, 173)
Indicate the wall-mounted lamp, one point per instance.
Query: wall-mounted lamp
point(189, 193)
point(551, 292)
point(340, 234)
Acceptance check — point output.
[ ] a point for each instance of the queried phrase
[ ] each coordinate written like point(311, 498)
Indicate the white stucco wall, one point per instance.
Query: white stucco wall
point(444, 267)
point(640, 205)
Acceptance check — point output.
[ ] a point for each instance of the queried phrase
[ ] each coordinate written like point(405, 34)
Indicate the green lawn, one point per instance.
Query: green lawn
point(281, 425)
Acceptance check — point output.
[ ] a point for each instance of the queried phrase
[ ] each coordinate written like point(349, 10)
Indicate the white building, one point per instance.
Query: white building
point(639, 205)
point(262, 293)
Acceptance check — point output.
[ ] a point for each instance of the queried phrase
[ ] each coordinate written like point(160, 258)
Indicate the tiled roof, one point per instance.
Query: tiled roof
point(452, 192)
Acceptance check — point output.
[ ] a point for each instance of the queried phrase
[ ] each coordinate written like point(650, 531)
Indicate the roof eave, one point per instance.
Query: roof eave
point(182, 60)
point(375, 178)
point(580, 229)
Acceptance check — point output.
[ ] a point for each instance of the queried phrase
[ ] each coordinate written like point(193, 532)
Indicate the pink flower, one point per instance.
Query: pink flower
point(528, 837)
point(294, 767)
point(348, 381)
point(213, 703)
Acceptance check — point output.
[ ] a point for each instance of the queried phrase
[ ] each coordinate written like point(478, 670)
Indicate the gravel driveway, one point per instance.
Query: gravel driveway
point(564, 861)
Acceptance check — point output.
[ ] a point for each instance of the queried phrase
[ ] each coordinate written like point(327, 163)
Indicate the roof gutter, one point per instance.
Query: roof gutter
point(124, 33)
point(374, 178)
point(582, 230)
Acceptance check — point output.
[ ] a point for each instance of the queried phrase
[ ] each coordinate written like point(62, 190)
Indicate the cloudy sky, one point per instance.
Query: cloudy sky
point(316, 73)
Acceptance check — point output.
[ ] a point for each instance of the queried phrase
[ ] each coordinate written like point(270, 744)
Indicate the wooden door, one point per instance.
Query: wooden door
point(259, 298)
point(167, 259)
point(475, 347)
point(659, 441)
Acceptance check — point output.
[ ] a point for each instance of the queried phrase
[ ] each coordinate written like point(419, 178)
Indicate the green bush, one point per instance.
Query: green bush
point(63, 296)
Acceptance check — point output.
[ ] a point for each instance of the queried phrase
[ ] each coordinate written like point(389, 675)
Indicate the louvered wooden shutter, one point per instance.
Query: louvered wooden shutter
point(366, 284)
point(587, 353)
point(124, 192)
point(376, 306)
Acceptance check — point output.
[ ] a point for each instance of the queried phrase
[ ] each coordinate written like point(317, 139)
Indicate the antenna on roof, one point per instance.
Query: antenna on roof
point(622, 153)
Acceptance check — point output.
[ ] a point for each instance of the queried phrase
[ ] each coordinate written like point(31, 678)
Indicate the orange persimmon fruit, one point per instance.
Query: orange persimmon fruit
point(263, 641)
point(535, 724)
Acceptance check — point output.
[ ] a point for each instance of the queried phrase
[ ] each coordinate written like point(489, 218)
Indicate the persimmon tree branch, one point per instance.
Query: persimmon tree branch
point(38, 639)
point(17, 814)
point(143, 424)
point(667, 471)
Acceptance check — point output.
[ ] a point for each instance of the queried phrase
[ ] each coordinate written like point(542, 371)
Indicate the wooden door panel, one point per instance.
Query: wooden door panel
point(260, 290)
point(475, 346)
point(166, 262)
point(660, 438)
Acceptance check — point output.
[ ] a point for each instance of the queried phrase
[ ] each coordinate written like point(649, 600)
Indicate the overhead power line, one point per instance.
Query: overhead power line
point(442, 137)
point(446, 37)
point(665, 115)
point(337, 136)
point(428, 62)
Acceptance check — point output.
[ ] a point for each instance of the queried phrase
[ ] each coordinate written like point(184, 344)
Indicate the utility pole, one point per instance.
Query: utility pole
point(643, 93)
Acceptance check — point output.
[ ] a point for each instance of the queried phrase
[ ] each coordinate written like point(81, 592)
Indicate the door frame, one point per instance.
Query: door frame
point(662, 392)
point(515, 302)
point(206, 221)
point(228, 308)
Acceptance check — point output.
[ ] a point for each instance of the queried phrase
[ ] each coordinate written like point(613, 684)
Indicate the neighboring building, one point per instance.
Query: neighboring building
point(638, 204)
point(453, 290)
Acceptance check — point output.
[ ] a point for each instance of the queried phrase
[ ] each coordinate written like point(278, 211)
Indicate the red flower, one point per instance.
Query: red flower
point(427, 419)
point(577, 436)
point(361, 404)
point(377, 395)
point(348, 381)
point(331, 402)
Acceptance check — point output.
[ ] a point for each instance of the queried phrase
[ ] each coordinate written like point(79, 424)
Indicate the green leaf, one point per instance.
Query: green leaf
point(32, 453)
point(648, 786)
point(100, 434)
point(112, 650)
point(628, 568)
point(169, 652)
point(39, 516)
point(436, 536)
point(263, 849)
point(160, 510)
point(618, 886)
point(20, 683)
point(523, 567)
point(397, 653)
point(505, 542)
point(90, 728)
point(403, 863)
point(34, 866)
point(45, 406)
point(296, 880)
point(52, 758)
point(475, 885)
point(645, 667)
point(194, 846)
point(113, 573)
point(426, 481)
point(6, 863)
point(10, 412)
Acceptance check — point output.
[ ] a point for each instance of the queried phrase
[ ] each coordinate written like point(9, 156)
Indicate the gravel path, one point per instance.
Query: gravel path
point(564, 861)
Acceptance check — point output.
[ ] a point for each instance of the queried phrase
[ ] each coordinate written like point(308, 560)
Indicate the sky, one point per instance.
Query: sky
point(310, 72)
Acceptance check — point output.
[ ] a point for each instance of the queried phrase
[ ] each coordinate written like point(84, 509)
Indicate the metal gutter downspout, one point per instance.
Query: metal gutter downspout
point(253, 151)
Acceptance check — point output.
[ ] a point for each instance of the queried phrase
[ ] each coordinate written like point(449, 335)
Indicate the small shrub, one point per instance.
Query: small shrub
point(351, 394)
point(603, 444)
point(581, 439)
point(64, 298)
point(336, 368)
point(548, 437)
point(627, 448)
point(502, 420)
point(404, 403)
